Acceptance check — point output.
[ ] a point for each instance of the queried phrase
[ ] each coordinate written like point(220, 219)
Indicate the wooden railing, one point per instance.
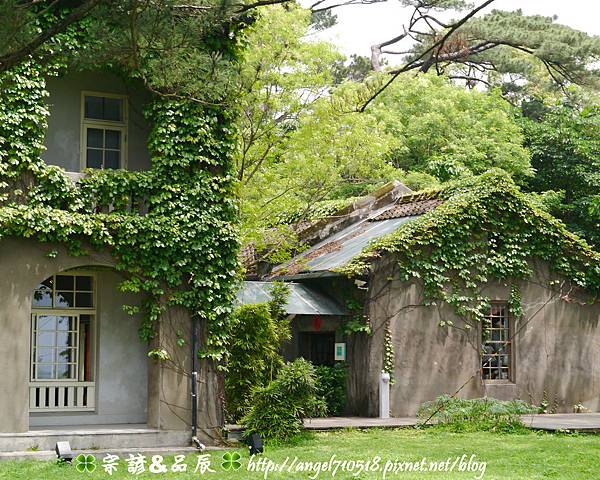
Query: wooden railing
point(61, 396)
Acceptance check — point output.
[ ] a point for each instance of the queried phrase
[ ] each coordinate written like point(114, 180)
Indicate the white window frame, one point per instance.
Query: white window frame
point(103, 124)
point(74, 312)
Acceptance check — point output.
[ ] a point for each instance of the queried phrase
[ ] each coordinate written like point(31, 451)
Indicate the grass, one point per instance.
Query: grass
point(528, 455)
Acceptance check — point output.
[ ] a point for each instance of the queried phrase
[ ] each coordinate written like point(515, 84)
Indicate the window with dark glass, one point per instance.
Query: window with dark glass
point(318, 347)
point(496, 357)
point(104, 132)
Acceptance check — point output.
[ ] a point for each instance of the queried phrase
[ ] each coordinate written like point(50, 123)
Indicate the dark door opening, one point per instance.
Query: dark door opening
point(318, 347)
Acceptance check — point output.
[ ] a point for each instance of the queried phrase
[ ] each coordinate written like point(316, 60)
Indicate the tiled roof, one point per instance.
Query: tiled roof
point(407, 209)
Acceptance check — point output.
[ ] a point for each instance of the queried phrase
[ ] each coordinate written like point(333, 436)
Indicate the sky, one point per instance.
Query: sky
point(360, 26)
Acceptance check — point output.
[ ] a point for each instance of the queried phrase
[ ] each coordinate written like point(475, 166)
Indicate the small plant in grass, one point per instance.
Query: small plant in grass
point(479, 414)
point(277, 410)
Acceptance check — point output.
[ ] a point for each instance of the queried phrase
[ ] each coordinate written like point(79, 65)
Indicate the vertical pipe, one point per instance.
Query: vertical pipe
point(384, 395)
point(194, 378)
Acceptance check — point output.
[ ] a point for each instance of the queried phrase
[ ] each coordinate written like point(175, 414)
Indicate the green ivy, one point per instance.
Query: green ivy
point(172, 228)
point(485, 229)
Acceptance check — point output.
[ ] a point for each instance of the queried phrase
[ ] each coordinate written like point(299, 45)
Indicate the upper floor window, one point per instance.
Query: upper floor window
point(104, 131)
point(496, 359)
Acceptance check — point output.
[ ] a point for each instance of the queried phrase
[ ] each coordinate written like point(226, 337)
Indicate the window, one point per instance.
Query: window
point(62, 328)
point(496, 359)
point(104, 131)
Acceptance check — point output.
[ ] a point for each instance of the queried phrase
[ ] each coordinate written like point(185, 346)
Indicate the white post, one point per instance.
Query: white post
point(384, 395)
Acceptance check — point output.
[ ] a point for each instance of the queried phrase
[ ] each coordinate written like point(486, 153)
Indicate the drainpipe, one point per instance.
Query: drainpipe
point(194, 380)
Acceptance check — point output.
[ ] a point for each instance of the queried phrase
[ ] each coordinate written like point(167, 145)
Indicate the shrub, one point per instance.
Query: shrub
point(277, 410)
point(479, 414)
point(331, 386)
point(254, 350)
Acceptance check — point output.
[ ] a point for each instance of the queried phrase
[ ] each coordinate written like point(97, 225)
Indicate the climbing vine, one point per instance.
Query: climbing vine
point(173, 228)
point(485, 229)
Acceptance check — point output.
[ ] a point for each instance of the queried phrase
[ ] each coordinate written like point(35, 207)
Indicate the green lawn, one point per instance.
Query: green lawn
point(519, 456)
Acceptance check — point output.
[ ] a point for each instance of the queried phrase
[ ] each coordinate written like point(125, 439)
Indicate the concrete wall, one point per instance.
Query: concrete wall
point(63, 137)
point(556, 349)
point(169, 385)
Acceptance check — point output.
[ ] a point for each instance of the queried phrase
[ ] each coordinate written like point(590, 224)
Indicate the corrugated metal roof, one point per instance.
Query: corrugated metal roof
point(340, 248)
point(302, 300)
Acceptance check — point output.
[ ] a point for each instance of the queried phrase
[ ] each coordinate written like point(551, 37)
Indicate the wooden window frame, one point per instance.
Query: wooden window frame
point(510, 342)
point(104, 125)
point(74, 312)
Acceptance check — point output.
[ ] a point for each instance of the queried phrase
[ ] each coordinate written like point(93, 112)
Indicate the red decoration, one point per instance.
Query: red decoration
point(317, 322)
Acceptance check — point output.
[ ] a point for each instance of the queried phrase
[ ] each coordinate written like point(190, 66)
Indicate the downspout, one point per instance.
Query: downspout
point(194, 378)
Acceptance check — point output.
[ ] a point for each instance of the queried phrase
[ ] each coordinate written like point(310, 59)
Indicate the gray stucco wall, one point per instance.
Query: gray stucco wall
point(23, 264)
point(121, 371)
point(64, 124)
point(556, 349)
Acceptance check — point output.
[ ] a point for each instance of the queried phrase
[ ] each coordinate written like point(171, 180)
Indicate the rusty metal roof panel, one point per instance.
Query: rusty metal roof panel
point(339, 249)
point(303, 300)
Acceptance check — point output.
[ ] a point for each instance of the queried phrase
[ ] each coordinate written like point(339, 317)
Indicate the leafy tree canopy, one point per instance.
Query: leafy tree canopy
point(447, 131)
point(565, 144)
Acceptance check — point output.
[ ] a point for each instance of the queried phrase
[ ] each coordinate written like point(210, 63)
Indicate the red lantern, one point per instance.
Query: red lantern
point(317, 322)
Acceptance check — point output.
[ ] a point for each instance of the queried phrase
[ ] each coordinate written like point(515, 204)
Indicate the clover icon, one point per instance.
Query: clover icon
point(85, 463)
point(231, 461)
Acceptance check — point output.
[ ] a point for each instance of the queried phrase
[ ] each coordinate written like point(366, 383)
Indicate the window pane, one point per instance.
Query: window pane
point(103, 108)
point(95, 138)
point(84, 300)
point(42, 298)
point(112, 159)
point(67, 323)
point(63, 371)
point(42, 372)
point(44, 355)
point(46, 284)
point(65, 339)
point(84, 282)
point(64, 300)
point(93, 158)
point(94, 107)
point(113, 139)
point(46, 322)
point(113, 109)
point(65, 355)
point(65, 282)
point(46, 339)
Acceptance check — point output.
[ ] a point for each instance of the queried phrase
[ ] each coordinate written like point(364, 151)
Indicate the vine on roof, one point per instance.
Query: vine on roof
point(485, 229)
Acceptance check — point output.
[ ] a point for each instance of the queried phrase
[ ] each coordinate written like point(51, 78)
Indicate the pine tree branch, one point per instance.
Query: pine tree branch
point(9, 60)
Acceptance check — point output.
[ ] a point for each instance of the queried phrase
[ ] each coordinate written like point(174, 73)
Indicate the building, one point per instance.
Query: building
point(538, 334)
point(72, 359)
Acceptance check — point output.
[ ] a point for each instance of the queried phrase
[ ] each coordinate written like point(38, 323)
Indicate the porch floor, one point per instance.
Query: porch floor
point(330, 423)
point(579, 422)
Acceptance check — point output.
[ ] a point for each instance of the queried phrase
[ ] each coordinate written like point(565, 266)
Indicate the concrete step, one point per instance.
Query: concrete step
point(93, 439)
point(121, 452)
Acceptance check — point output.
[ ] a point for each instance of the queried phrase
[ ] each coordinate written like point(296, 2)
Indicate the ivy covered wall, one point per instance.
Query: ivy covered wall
point(173, 228)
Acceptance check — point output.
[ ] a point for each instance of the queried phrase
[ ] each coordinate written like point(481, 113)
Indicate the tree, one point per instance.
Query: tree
point(565, 147)
point(282, 76)
point(447, 131)
point(307, 166)
point(471, 47)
